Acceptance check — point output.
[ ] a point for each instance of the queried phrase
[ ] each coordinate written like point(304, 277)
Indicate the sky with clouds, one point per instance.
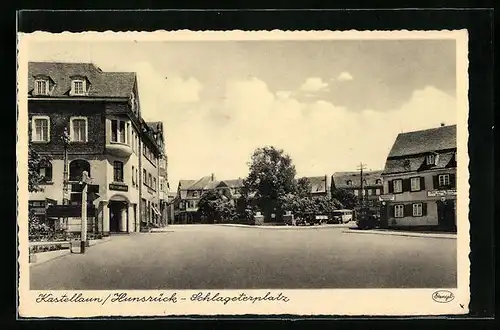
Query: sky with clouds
point(330, 104)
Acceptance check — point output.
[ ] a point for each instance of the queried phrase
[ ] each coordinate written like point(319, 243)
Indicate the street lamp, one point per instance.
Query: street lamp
point(65, 139)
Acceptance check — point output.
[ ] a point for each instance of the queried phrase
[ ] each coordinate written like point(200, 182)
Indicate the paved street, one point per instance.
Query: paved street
point(223, 257)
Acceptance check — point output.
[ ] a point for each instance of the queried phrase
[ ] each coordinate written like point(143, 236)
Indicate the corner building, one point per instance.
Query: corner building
point(101, 113)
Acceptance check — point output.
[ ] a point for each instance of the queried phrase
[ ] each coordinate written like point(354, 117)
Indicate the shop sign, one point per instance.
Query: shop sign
point(383, 198)
point(118, 187)
point(439, 193)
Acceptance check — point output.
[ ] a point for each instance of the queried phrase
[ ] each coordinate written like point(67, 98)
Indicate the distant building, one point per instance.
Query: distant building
point(189, 193)
point(320, 185)
point(351, 181)
point(107, 138)
point(420, 179)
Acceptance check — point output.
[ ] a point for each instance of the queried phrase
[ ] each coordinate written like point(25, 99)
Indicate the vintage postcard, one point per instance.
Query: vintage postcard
point(243, 173)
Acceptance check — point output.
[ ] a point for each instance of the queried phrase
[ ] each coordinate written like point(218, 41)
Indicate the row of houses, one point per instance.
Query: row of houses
point(89, 120)
point(417, 186)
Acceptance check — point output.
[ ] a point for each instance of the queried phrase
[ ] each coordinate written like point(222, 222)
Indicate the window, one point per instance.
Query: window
point(363, 192)
point(133, 176)
point(40, 129)
point(78, 87)
point(154, 183)
point(46, 172)
point(118, 131)
point(417, 210)
point(430, 159)
point(377, 191)
point(415, 184)
point(370, 192)
point(118, 171)
point(137, 177)
point(349, 182)
point(150, 179)
point(364, 182)
point(41, 87)
point(161, 185)
point(397, 186)
point(144, 177)
point(76, 168)
point(444, 179)
point(78, 132)
point(356, 192)
point(195, 194)
point(398, 211)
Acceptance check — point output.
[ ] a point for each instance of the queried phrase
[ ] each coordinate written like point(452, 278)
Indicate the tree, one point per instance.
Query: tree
point(215, 206)
point(35, 163)
point(303, 187)
point(346, 198)
point(271, 176)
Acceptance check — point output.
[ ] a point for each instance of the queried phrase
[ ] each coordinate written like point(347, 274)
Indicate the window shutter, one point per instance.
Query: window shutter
point(48, 173)
point(390, 186)
point(408, 210)
point(435, 180)
point(453, 183)
point(422, 183)
point(406, 185)
point(424, 209)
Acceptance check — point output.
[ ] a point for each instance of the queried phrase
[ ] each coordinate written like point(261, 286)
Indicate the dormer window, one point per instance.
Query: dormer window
point(41, 87)
point(78, 87)
point(431, 159)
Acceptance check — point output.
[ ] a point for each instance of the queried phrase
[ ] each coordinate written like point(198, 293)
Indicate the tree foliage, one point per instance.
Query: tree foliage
point(346, 198)
point(35, 163)
point(303, 188)
point(215, 206)
point(271, 176)
point(304, 207)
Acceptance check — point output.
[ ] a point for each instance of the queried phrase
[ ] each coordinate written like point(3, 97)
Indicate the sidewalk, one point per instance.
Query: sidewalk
point(400, 233)
point(43, 257)
point(324, 226)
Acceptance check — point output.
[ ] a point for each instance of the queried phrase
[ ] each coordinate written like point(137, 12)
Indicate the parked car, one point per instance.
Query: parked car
point(367, 219)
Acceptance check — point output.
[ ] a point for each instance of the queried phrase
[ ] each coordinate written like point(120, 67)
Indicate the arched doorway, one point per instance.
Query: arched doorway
point(118, 214)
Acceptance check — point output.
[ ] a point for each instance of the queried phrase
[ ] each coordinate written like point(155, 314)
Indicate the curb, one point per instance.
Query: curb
point(284, 227)
point(404, 234)
point(35, 264)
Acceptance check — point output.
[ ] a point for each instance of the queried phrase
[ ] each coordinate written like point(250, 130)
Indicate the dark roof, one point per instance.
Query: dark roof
point(155, 126)
point(415, 163)
point(102, 84)
point(340, 179)
point(424, 141)
point(318, 184)
point(234, 183)
point(205, 182)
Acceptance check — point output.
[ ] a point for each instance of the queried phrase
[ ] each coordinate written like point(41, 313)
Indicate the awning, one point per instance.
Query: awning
point(156, 211)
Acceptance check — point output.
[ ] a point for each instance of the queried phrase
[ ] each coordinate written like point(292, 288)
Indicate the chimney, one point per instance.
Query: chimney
point(442, 124)
point(212, 177)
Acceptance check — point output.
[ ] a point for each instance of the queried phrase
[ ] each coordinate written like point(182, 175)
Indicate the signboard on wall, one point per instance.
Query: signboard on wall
point(438, 193)
point(118, 187)
point(386, 198)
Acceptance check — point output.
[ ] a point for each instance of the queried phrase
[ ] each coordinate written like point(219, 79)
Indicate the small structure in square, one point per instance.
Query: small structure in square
point(420, 180)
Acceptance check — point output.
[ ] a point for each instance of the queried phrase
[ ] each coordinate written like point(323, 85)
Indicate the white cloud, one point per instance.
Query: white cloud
point(344, 76)
point(313, 84)
point(320, 137)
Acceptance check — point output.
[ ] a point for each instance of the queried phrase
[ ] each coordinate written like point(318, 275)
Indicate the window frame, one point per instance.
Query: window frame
point(394, 186)
point(415, 179)
point(71, 129)
point(378, 191)
point(45, 179)
point(47, 86)
point(121, 171)
point(421, 209)
point(399, 207)
point(33, 128)
point(117, 131)
point(73, 87)
point(356, 192)
point(133, 176)
point(430, 157)
point(444, 176)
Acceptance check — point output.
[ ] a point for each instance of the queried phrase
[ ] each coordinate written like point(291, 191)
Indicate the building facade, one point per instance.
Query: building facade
point(420, 179)
point(100, 113)
point(367, 189)
point(189, 193)
point(320, 186)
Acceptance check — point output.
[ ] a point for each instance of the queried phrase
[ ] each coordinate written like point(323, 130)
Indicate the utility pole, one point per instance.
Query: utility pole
point(361, 167)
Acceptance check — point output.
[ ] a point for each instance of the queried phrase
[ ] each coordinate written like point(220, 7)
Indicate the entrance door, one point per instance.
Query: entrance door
point(446, 215)
point(115, 216)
